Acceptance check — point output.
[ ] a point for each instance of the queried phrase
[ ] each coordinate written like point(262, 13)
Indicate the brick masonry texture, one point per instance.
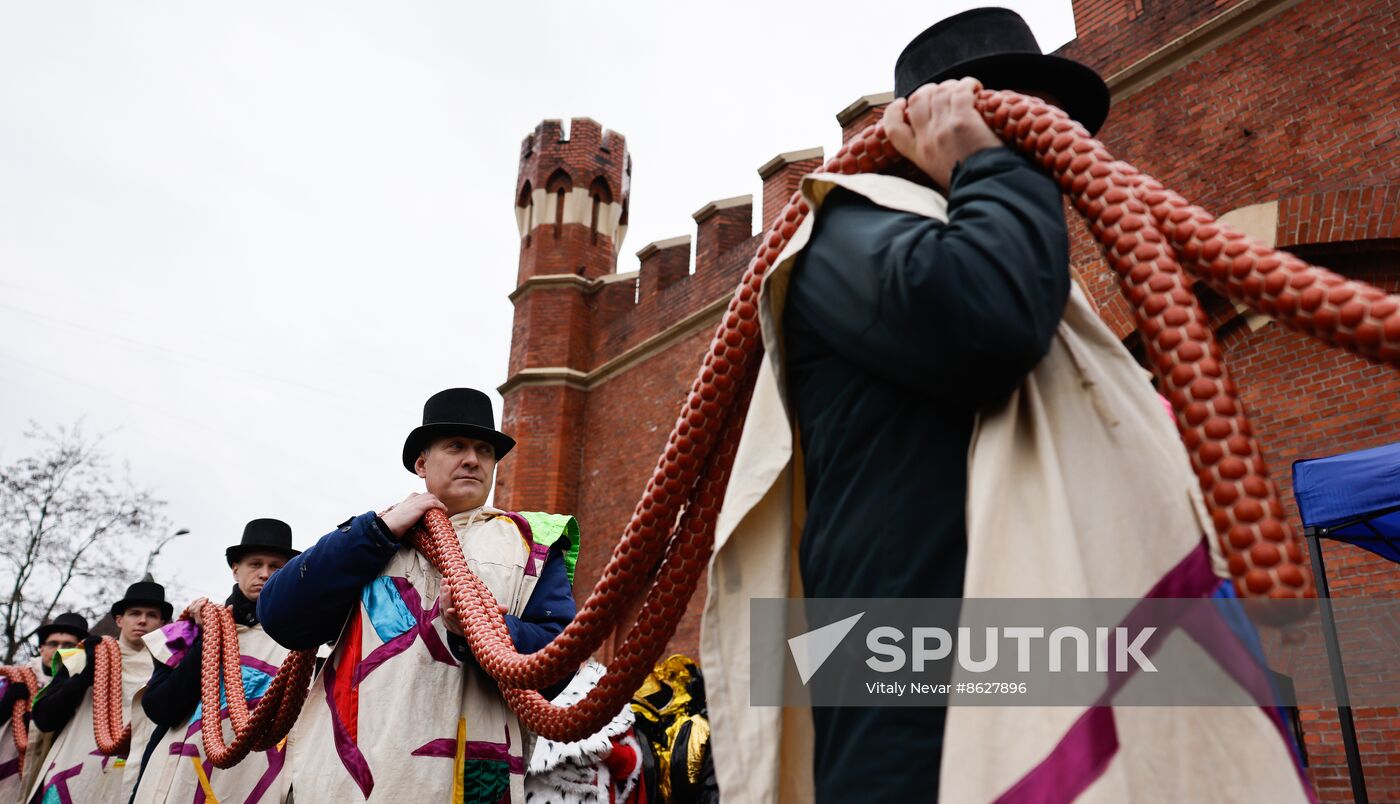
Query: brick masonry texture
point(1296, 109)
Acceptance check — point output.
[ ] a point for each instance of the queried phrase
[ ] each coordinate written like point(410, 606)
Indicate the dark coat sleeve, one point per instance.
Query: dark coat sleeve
point(550, 608)
point(305, 603)
point(960, 311)
point(548, 611)
point(173, 692)
point(14, 693)
point(59, 701)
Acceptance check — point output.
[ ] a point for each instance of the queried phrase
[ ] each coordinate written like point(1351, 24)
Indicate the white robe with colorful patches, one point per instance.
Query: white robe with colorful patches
point(393, 716)
point(177, 771)
point(75, 772)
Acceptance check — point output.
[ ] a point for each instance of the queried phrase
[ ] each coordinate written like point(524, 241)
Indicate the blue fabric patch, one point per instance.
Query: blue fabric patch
point(386, 609)
point(1239, 622)
point(255, 684)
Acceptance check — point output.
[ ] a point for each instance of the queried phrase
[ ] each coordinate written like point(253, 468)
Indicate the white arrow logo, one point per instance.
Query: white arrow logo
point(812, 649)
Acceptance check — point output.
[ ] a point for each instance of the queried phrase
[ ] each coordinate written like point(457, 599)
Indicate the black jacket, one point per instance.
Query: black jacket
point(56, 704)
point(898, 329)
point(14, 693)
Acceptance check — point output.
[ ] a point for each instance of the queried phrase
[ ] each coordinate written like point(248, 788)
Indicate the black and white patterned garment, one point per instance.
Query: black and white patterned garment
point(602, 768)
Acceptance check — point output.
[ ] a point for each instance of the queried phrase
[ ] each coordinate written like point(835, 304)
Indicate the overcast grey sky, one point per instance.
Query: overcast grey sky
point(249, 239)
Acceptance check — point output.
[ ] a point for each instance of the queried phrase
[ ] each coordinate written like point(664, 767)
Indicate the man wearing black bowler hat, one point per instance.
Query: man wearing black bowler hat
point(900, 327)
point(967, 427)
point(65, 632)
point(74, 769)
point(170, 748)
point(401, 710)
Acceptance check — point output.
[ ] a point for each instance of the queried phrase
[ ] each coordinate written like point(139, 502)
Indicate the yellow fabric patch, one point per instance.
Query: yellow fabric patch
point(204, 781)
point(458, 793)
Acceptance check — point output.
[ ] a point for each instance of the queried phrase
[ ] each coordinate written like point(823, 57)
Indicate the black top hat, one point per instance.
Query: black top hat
point(69, 623)
point(263, 536)
point(456, 411)
point(995, 46)
point(144, 593)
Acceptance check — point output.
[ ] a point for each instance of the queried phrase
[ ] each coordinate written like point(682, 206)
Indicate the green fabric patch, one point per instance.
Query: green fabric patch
point(546, 530)
point(485, 780)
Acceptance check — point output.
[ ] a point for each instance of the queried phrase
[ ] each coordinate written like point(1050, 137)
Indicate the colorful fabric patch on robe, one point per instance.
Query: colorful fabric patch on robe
point(256, 680)
point(57, 792)
point(485, 766)
point(486, 780)
point(173, 643)
point(75, 659)
point(547, 528)
point(386, 609)
point(343, 697)
point(395, 611)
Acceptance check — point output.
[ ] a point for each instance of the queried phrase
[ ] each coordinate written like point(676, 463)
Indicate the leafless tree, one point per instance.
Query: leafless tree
point(72, 533)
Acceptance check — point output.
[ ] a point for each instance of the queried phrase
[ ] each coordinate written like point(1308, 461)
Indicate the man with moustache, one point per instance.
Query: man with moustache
point(401, 709)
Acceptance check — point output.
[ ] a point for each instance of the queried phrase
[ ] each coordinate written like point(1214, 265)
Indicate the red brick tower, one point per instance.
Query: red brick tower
point(571, 210)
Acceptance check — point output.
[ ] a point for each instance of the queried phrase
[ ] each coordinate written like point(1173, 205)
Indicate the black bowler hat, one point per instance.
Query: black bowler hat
point(144, 593)
point(456, 411)
point(263, 536)
point(995, 46)
point(68, 623)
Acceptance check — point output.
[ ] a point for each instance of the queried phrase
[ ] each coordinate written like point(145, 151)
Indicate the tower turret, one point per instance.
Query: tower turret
point(571, 210)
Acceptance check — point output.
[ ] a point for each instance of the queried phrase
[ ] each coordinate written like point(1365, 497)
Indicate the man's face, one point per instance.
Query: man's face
point(136, 622)
point(458, 470)
point(253, 570)
point(55, 642)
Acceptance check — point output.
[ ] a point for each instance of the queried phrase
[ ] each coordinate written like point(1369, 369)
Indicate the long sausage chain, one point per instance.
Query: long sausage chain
point(109, 725)
point(262, 727)
point(257, 729)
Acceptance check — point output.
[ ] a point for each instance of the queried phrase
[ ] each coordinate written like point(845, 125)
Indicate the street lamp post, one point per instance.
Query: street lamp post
point(151, 559)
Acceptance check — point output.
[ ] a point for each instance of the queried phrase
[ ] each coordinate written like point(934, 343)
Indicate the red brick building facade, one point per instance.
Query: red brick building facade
point(1280, 115)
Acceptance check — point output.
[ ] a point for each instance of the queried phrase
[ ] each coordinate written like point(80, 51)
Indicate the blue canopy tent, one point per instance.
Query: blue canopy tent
point(1353, 498)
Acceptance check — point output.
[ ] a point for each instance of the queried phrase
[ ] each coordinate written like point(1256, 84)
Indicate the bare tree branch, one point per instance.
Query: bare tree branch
point(71, 534)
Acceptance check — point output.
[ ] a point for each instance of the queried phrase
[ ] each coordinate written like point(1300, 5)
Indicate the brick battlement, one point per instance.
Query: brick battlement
point(571, 198)
point(584, 319)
